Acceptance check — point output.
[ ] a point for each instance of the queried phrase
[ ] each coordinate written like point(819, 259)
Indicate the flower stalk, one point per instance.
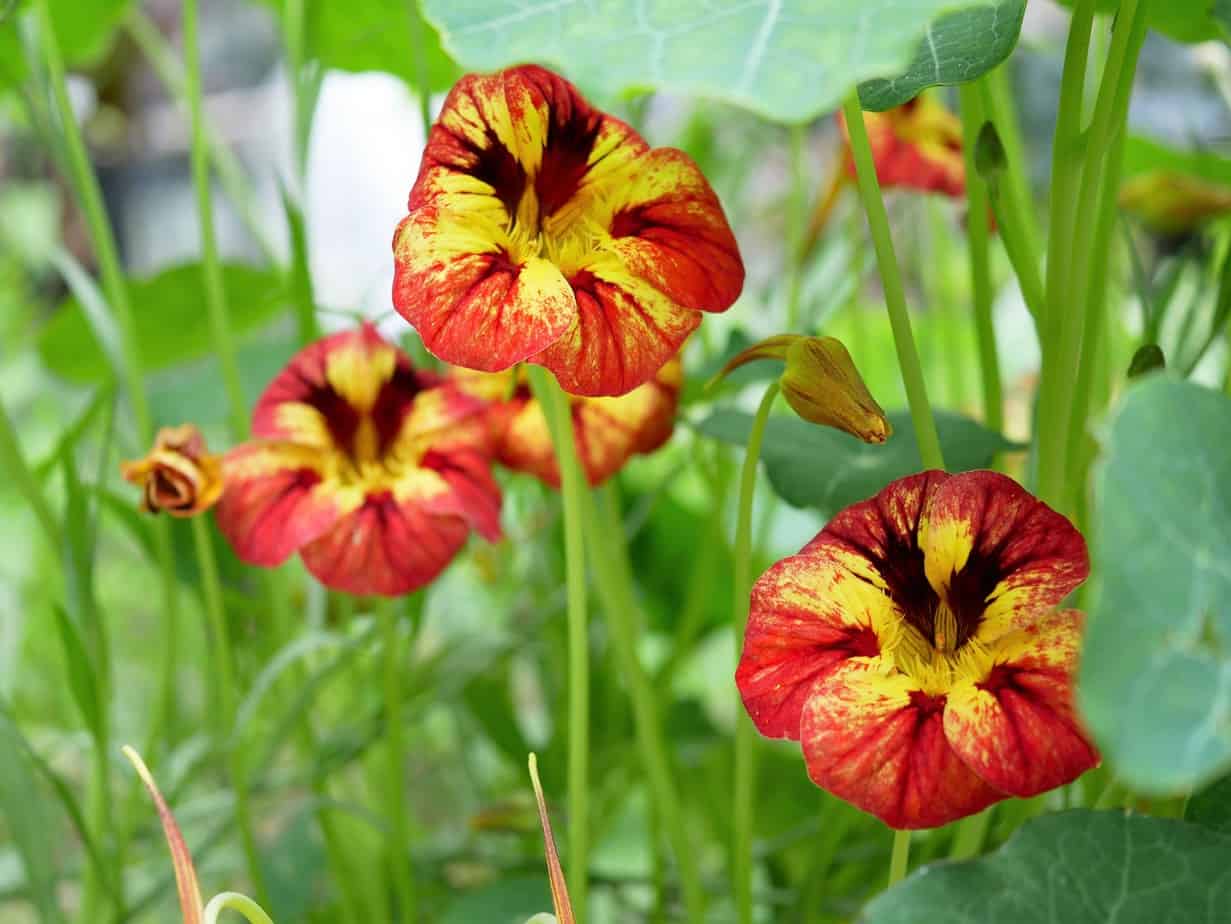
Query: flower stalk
point(396, 808)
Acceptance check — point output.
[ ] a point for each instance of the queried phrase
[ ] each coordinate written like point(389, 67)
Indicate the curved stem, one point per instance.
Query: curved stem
point(899, 857)
point(226, 700)
point(980, 268)
point(233, 901)
point(215, 289)
point(891, 279)
point(397, 810)
point(559, 416)
point(744, 785)
point(608, 553)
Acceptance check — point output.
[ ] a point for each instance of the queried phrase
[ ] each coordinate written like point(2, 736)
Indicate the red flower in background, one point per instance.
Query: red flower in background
point(914, 649)
point(542, 229)
point(372, 470)
point(607, 431)
point(916, 145)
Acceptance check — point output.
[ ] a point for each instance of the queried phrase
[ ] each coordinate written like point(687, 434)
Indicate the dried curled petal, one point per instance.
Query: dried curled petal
point(178, 475)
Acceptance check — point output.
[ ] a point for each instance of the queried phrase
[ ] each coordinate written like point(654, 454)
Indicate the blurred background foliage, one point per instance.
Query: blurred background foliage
point(307, 199)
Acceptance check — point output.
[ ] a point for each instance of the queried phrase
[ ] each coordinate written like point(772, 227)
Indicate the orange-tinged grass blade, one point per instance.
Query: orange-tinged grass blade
point(181, 859)
point(559, 891)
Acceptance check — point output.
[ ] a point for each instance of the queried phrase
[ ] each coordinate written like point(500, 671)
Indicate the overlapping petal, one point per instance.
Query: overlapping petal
point(374, 471)
point(542, 229)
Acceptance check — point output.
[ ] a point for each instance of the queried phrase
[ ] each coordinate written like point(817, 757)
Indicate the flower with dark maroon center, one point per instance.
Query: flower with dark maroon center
point(915, 650)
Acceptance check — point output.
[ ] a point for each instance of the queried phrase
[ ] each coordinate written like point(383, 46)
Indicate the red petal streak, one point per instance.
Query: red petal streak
point(473, 493)
point(871, 740)
point(274, 501)
point(1017, 728)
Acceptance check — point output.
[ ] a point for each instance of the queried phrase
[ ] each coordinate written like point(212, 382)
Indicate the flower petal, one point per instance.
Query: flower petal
point(808, 614)
point(998, 555)
point(1016, 727)
point(472, 492)
point(277, 498)
point(871, 739)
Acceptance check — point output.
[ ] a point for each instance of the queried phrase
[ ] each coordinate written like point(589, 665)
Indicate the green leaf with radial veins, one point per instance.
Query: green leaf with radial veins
point(811, 466)
point(170, 317)
point(958, 47)
point(788, 60)
point(376, 35)
point(1077, 867)
point(1155, 680)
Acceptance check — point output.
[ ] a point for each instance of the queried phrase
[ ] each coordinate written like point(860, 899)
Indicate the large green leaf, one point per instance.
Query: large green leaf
point(1155, 682)
point(1145, 155)
point(170, 316)
point(1077, 867)
point(1212, 806)
point(376, 35)
point(789, 60)
point(958, 47)
point(811, 466)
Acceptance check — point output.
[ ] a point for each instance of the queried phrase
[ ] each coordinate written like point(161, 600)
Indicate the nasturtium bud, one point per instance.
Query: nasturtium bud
point(821, 384)
point(990, 157)
point(1170, 202)
point(1148, 358)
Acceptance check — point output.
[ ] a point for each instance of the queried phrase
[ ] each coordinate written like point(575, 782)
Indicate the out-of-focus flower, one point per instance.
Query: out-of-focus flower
point(915, 650)
point(916, 145)
point(372, 470)
point(1173, 203)
point(186, 885)
point(607, 431)
point(179, 475)
point(544, 230)
point(821, 384)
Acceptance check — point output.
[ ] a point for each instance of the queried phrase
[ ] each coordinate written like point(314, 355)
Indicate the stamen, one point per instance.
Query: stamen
point(944, 628)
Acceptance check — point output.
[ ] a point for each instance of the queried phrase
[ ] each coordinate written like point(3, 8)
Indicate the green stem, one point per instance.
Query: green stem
point(971, 832)
point(1060, 374)
point(608, 553)
point(900, 856)
point(226, 700)
point(556, 409)
point(1000, 107)
point(233, 901)
point(231, 175)
point(418, 47)
point(891, 279)
point(18, 474)
point(397, 809)
point(743, 790)
point(215, 289)
point(980, 266)
point(794, 250)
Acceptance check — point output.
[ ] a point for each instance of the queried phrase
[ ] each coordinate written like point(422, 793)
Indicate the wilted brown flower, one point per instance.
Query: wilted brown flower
point(179, 475)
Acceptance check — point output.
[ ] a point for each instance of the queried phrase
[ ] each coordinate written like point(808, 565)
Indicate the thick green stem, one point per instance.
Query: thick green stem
point(608, 554)
point(418, 46)
point(743, 789)
point(1060, 373)
point(980, 267)
point(231, 175)
point(971, 833)
point(1000, 108)
point(794, 249)
point(891, 280)
point(557, 410)
point(899, 857)
point(215, 289)
point(226, 700)
point(397, 809)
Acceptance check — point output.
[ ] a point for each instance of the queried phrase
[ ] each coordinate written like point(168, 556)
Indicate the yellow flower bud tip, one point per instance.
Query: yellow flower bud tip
point(822, 385)
point(771, 348)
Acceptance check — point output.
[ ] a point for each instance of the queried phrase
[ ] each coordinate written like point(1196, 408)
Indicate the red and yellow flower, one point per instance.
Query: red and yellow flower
point(916, 145)
point(607, 431)
point(372, 470)
point(915, 650)
point(542, 229)
point(179, 475)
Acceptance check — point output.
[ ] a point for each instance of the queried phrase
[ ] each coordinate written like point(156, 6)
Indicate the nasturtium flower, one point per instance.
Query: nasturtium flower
point(1170, 202)
point(179, 475)
point(915, 650)
point(916, 145)
point(607, 431)
point(544, 230)
point(374, 471)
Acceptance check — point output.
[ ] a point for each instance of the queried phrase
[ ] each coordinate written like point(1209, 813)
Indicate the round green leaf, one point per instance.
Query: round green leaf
point(1077, 867)
point(811, 466)
point(788, 60)
point(958, 47)
point(1155, 682)
point(1212, 806)
point(171, 321)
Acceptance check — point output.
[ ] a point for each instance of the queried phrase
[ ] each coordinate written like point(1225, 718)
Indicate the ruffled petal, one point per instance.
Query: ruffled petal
point(472, 493)
point(998, 556)
point(277, 498)
point(809, 614)
point(1016, 728)
point(872, 739)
